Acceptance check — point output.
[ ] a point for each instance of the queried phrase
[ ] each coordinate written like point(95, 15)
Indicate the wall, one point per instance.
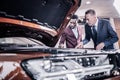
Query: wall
point(117, 26)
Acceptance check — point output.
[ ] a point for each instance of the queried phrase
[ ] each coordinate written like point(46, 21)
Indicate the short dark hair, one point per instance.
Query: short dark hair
point(90, 11)
point(74, 17)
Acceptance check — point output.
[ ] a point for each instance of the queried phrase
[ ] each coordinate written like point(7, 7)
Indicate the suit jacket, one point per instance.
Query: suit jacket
point(105, 33)
point(69, 37)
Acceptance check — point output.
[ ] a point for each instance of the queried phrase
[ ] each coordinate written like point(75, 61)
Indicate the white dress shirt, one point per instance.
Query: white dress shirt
point(75, 31)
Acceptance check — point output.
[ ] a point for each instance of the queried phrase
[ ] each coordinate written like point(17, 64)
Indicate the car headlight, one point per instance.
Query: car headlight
point(65, 68)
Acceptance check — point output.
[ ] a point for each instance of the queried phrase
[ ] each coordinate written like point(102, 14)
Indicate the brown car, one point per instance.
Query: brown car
point(29, 30)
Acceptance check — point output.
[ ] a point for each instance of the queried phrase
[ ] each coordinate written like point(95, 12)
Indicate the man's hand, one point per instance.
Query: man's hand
point(80, 45)
point(61, 45)
point(100, 46)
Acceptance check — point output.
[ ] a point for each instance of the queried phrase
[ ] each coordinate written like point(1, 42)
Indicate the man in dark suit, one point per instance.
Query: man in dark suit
point(72, 34)
point(100, 30)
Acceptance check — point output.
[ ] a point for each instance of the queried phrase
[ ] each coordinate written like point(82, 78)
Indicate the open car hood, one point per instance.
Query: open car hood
point(43, 20)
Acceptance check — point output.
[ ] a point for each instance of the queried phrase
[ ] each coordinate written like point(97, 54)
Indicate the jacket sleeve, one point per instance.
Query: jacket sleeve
point(63, 38)
point(112, 36)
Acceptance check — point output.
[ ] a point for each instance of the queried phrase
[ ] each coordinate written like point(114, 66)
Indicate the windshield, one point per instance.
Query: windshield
point(13, 42)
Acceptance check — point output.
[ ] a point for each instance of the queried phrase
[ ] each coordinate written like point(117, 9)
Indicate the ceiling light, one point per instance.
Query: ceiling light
point(117, 5)
point(88, 2)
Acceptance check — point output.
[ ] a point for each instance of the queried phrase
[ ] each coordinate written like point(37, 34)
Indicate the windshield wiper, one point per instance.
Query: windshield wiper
point(9, 47)
point(13, 46)
point(16, 45)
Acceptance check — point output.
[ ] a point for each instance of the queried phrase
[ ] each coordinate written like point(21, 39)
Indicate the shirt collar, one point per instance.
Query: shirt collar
point(96, 24)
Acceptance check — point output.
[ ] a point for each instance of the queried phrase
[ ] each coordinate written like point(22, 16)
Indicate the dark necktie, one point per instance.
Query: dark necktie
point(94, 33)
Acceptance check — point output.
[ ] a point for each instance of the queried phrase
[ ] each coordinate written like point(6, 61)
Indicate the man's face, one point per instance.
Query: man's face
point(90, 19)
point(73, 23)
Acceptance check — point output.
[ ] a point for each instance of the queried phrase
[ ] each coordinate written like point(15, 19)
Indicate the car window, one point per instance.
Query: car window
point(20, 40)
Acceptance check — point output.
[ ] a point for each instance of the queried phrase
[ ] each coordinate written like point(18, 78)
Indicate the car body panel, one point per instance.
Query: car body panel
point(28, 18)
point(10, 67)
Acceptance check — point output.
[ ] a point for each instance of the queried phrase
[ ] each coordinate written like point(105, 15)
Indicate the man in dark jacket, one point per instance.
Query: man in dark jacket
point(72, 34)
point(100, 30)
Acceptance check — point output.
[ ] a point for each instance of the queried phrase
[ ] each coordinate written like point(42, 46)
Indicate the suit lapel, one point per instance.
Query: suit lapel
point(71, 32)
point(99, 28)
